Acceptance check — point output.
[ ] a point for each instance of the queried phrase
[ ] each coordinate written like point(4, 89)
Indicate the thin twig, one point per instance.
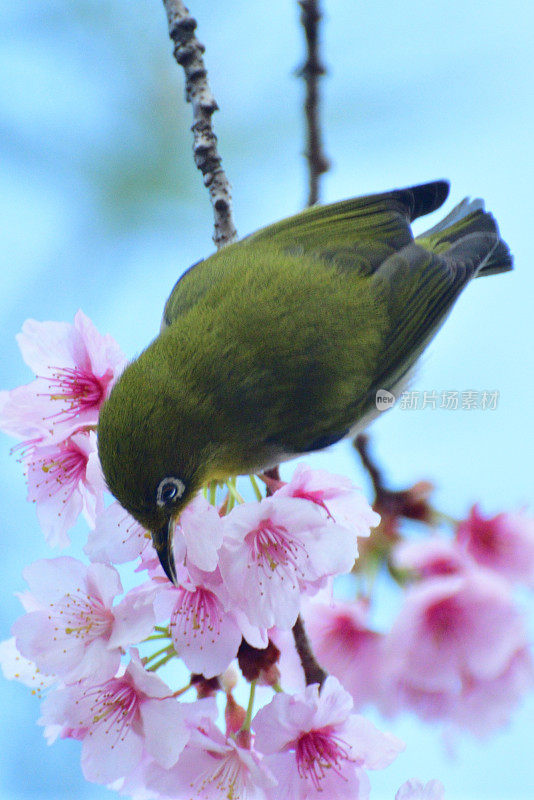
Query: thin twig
point(313, 673)
point(361, 443)
point(271, 477)
point(311, 71)
point(411, 503)
point(188, 52)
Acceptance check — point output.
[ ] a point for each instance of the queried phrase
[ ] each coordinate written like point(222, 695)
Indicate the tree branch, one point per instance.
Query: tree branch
point(409, 503)
point(311, 71)
point(188, 52)
point(313, 673)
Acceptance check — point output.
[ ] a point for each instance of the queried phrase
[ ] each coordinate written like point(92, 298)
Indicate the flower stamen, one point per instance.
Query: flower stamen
point(317, 751)
point(78, 388)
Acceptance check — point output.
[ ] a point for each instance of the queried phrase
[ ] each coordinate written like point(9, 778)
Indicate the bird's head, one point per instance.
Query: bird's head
point(153, 452)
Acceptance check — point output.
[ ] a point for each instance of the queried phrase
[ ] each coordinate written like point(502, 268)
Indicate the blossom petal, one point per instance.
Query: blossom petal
point(108, 755)
point(17, 668)
point(167, 725)
point(116, 537)
point(204, 634)
point(202, 530)
point(372, 748)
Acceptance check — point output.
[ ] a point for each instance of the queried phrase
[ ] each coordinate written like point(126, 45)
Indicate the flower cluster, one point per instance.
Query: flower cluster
point(458, 649)
point(247, 573)
point(56, 415)
point(81, 636)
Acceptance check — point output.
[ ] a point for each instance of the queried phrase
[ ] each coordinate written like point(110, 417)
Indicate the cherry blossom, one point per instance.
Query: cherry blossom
point(76, 367)
point(431, 557)
point(453, 633)
point(64, 480)
point(337, 495)
point(205, 635)
point(19, 419)
point(15, 667)
point(346, 647)
point(120, 719)
point(487, 705)
point(276, 549)
point(133, 785)
point(72, 629)
point(316, 747)
point(205, 625)
point(117, 537)
point(504, 543)
point(202, 531)
point(213, 766)
point(134, 616)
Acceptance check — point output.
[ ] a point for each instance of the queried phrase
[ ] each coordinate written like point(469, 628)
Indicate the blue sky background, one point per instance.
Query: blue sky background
point(101, 208)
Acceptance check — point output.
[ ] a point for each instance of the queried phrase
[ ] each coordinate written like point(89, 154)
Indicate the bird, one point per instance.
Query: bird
point(276, 345)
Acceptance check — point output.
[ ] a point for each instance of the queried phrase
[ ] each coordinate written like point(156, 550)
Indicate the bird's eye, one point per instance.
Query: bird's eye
point(169, 491)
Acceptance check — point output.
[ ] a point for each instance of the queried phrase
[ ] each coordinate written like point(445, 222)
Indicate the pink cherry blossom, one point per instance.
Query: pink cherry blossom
point(504, 543)
point(134, 616)
point(415, 790)
point(117, 537)
point(346, 647)
point(119, 720)
point(431, 557)
point(276, 549)
point(19, 418)
point(133, 785)
point(17, 668)
point(205, 635)
point(430, 705)
point(453, 633)
point(487, 705)
point(150, 562)
point(213, 766)
point(316, 747)
point(202, 531)
point(75, 367)
point(337, 495)
point(65, 480)
point(205, 625)
point(72, 629)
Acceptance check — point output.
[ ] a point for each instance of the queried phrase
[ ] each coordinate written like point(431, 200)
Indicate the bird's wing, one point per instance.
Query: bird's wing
point(420, 283)
point(419, 288)
point(358, 234)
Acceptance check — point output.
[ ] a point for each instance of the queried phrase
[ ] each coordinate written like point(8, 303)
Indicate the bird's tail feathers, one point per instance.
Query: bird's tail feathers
point(470, 233)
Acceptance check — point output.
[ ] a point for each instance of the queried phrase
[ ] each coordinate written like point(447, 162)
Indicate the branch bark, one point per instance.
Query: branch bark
point(311, 71)
point(188, 52)
point(392, 504)
point(313, 673)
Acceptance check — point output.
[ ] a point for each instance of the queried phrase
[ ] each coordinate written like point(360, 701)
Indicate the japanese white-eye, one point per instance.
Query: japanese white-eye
point(276, 345)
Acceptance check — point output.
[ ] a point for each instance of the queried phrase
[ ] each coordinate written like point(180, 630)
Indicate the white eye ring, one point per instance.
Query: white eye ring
point(169, 490)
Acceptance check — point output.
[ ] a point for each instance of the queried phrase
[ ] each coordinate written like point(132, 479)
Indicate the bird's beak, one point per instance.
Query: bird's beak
point(162, 539)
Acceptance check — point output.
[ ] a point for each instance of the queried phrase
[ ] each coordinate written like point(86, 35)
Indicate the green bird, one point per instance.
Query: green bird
point(278, 344)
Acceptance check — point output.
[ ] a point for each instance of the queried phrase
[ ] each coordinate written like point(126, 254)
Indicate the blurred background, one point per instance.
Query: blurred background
point(101, 208)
